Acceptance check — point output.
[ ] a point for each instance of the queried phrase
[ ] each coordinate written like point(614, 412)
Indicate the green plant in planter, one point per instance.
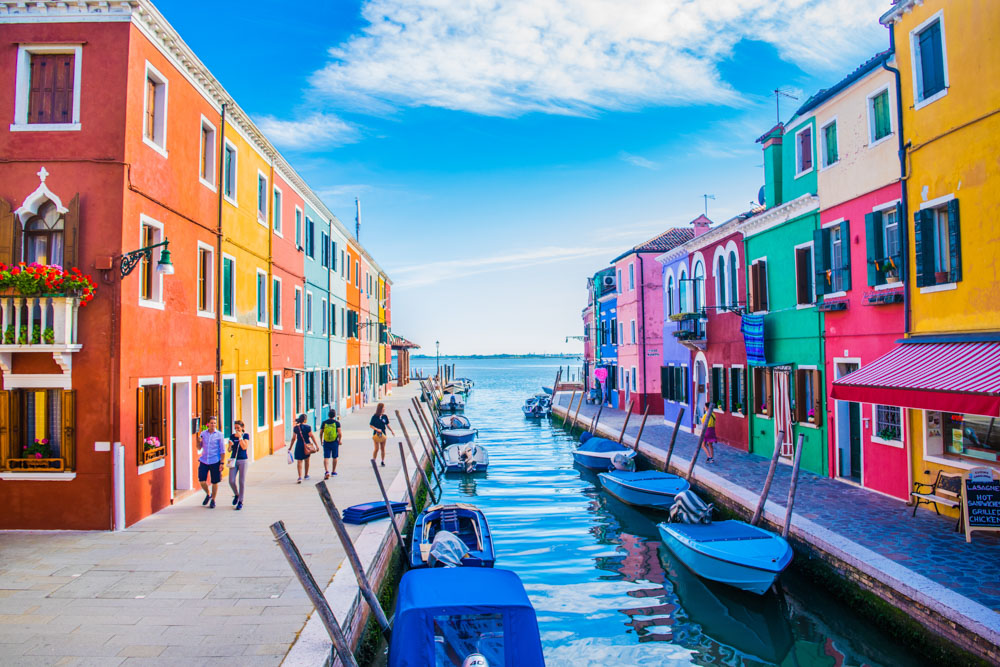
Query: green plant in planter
point(49, 336)
point(888, 433)
point(9, 335)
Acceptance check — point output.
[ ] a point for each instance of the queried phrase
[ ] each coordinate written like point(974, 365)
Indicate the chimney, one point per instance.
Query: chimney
point(771, 142)
point(357, 219)
point(701, 225)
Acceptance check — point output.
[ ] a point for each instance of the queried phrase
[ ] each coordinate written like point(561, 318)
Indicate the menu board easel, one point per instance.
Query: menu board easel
point(980, 501)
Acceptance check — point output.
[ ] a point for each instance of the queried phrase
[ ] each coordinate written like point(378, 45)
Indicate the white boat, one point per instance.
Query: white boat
point(452, 403)
point(467, 457)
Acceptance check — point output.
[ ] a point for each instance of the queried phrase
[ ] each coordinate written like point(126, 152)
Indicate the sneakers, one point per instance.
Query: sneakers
point(211, 505)
point(300, 481)
point(239, 505)
point(306, 477)
point(326, 475)
point(383, 464)
point(333, 473)
point(236, 499)
point(207, 498)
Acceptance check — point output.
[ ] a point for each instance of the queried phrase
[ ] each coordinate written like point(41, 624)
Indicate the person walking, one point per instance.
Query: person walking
point(708, 423)
point(330, 434)
point(379, 423)
point(212, 452)
point(304, 441)
point(238, 462)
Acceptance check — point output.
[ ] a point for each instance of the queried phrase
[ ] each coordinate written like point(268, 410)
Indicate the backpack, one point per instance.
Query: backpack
point(329, 432)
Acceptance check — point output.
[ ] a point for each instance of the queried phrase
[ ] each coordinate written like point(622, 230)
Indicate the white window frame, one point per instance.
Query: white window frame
point(209, 280)
point(22, 87)
point(262, 215)
point(300, 222)
point(631, 277)
point(299, 304)
point(157, 302)
point(721, 282)
point(256, 391)
point(729, 397)
point(632, 331)
point(634, 382)
point(277, 400)
point(870, 105)
point(808, 127)
point(325, 313)
point(919, 103)
point(277, 315)
point(234, 200)
point(308, 312)
point(822, 142)
point(619, 281)
point(160, 120)
point(256, 288)
point(213, 164)
point(812, 275)
point(277, 202)
point(902, 428)
point(232, 296)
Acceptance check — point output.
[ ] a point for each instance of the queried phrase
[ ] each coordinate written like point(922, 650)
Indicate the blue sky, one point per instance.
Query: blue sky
point(504, 150)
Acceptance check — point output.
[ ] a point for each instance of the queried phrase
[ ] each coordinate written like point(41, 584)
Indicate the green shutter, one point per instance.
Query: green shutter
point(831, 143)
point(227, 287)
point(923, 246)
point(873, 243)
point(901, 257)
point(881, 109)
point(954, 242)
point(821, 251)
point(845, 254)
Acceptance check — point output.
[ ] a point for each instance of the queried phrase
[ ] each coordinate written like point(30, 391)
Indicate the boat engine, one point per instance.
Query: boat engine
point(624, 461)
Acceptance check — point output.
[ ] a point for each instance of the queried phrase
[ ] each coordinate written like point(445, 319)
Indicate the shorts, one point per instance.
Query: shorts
point(214, 468)
point(331, 450)
point(379, 438)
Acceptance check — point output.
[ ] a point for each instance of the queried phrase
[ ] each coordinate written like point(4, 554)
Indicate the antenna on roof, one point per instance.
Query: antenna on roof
point(707, 197)
point(778, 94)
point(357, 219)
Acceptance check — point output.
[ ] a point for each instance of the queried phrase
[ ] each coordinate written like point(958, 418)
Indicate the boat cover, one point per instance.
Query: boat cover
point(722, 530)
point(430, 598)
point(596, 444)
point(689, 508)
point(447, 550)
point(455, 421)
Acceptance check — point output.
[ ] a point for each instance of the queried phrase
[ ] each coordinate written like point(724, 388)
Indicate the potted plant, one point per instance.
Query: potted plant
point(39, 449)
point(891, 271)
point(763, 409)
point(811, 416)
point(46, 280)
point(738, 407)
point(888, 433)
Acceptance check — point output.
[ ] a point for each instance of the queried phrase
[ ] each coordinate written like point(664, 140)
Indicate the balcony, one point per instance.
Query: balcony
point(46, 324)
point(691, 330)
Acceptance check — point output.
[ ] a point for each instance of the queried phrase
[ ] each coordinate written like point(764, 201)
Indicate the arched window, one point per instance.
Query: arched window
point(670, 295)
point(734, 281)
point(43, 236)
point(699, 285)
point(720, 280)
point(682, 296)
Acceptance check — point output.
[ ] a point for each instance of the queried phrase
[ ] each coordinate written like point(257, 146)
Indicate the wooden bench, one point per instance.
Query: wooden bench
point(946, 490)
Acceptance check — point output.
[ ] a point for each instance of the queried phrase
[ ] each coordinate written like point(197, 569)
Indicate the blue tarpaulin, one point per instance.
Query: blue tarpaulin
point(752, 327)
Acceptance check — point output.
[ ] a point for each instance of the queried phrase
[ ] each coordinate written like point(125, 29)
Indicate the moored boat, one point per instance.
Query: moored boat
point(596, 453)
point(466, 522)
point(456, 429)
point(467, 457)
point(452, 403)
point(647, 488)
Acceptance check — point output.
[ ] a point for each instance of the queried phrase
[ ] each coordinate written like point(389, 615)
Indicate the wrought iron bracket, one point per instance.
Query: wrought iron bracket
point(130, 260)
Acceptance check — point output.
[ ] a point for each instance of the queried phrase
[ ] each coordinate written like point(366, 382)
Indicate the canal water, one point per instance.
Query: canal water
point(605, 590)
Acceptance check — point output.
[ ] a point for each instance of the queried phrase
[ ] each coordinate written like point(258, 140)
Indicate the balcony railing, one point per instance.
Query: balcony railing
point(38, 323)
point(690, 331)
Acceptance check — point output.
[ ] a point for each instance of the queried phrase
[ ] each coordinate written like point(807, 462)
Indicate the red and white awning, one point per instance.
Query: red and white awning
point(951, 377)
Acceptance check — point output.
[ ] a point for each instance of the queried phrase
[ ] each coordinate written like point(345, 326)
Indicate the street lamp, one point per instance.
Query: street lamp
point(164, 266)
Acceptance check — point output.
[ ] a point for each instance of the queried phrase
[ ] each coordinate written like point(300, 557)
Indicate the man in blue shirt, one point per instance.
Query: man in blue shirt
point(213, 453)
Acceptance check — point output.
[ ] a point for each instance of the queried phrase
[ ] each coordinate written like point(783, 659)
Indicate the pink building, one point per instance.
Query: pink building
point(640, 320)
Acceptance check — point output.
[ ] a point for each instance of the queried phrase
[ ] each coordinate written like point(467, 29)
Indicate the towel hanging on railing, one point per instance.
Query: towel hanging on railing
point(752, 327)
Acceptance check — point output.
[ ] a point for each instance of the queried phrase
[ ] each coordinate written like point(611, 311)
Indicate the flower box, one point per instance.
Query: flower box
point(152, 454)
point(34, 464)
point(680, 317)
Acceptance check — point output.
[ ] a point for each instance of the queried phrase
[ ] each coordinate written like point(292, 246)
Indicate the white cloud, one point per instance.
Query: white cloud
point(316, 131)
point(580, 56)
point(637, 160)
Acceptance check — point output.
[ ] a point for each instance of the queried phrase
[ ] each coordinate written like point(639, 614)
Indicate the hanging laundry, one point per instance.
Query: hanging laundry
point(752, 327)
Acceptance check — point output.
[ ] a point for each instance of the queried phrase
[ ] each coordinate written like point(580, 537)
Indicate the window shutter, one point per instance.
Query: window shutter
point(69, 428)
point(150, 108)
point(817, 397)
point(164, 408)
point(199, 402)
point(954, 242)
point(50, 94)
point(5, 421)
point(900, 257)
point(873, 244)
point(140, 420)
point(931, 61)
point(71, 234)
point(801, 276)
point(762, 284)
point(821, 249)
point(9, 231)
point(752, 289)
point(769, 391)
point(845, 254)
point(923, 246)
point(686, 386)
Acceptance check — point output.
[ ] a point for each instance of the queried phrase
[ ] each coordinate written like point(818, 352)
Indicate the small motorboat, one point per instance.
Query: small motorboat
point(596, 453)
point(455, 388)
point(464, 615)
point(452, 403)
point(547, 390)
point(647, 488)
point(536, 410)
point(456, 429)
point(467, 523)
point(467, 457)
point(730, 552)
point(454, 421)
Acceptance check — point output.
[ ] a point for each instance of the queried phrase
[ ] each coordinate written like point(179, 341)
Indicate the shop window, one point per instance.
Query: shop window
point(737, 389)
point(763, 391)
point(885, 258)
point(937, 245)
point(758, 286)
point(37, 430)
point(151, 422)
point(888, 423)
point(808, 404)
point(973, 438)
point(832, 247)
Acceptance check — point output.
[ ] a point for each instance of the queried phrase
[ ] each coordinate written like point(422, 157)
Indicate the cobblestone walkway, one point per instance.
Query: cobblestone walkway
point(926, 543)
point(187, 585)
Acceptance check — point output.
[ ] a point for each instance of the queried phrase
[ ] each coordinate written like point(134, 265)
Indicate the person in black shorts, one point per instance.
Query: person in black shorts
point(330, 436)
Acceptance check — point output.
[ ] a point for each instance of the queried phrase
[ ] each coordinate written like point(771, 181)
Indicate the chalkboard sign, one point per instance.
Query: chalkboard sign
point(981, 499)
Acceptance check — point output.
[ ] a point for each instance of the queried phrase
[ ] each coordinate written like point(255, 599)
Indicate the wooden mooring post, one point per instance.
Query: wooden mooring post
point(575, 416)
point(642, 426)
point(759, 512)
point(596, 420)
point(701, 440)
point(420, 470)
point(314, 593)
point(406, 478)
point(568, 408)
point(673, 438)
point(432, 453)
point(388, 508)
point(628, 415)
point(416, 459)
point(352, 556)
point(791, 487)
point(435, 443)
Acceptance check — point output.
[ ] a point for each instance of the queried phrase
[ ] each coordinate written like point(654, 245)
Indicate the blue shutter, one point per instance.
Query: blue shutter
point(873, 242)
point(931, 61)
point(923, 246)
point(954, 242)
point(845, 254)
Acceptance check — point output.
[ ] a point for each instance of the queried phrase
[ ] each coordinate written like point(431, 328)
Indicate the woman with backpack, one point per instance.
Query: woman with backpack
point(330, 434)
point(304, 443)
point(379, 423)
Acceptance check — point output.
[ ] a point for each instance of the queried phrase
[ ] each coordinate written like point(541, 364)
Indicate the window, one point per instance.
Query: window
point(631, 276)
point(357, 273)
point(151, 422)
point(720, 282)
point(310, 379)
point(150, 280)
point(261, 298)
point(698, 288)
point(633, 379)
point(44, 236)
point(276, 301)
point(673, 383)
point(309, 313)
point(879, 116)
point(804, 275)
point(632, 323)
point(333, 319)
point(803, 151)
point(298, 227)
point(682, 293)
point(206, 278)
point(324, 249)
point(343, 265)
point(323, 314)
point(276, 398)
point(298, 308)
point(230, 160)
point(228, 287)
point(974, 438)
point(614, 331)
point(619, 283)
point(333, 256)
point(737, 389)
point(734, 280)
point(831, 152)
point(261, 401)
point(930, 68)
point(670, 295)
point(262, 198)
point(298, 393)
point(808, 405)
point(883, 245)
point(276, 211)
point(937, 244)
point(47, 86)
point(310, 238)
point(154, 125)
point(832, 249)
point(621, 333)
point(718, 387)
point(206, 166)
point(763, 391)
point(228, 407)
point(40, 427)
point(888, 423)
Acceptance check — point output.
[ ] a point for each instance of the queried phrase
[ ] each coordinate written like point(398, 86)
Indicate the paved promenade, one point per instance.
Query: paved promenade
point(188, 585)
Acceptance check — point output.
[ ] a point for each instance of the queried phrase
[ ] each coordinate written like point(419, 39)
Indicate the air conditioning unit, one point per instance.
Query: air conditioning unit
point(609, 281)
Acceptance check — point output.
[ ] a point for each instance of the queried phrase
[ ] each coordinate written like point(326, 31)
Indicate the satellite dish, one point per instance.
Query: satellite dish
point(760, 196)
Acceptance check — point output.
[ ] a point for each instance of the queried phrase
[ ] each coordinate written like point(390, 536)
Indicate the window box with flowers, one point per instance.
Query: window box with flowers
point(38, 305)
point(37, 457)
point(152, 450)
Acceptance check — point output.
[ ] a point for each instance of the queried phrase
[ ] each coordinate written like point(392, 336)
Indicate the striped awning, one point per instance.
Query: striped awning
point(952, 377)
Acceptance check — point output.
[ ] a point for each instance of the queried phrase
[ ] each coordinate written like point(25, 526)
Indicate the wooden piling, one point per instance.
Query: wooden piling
point(642, 427)
point(413, 452)
point(571, 397)
point(575, 416)
point(759, 512)
point(388, 508)
point(673, 438)
point(352, 556)
point(420, 470)
point(314, 593)
point(406, 478)
point(628, 415)
point(435, 443)
point(791, 487)
point(432, 453)
point(597, 420)
point(701, 440)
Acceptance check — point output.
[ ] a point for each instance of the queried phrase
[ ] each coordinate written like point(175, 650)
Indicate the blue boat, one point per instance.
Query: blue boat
point(446, 616)
point(649, 488)
point(730, 552)
point(467, 522)
point(456, 429)
point(596, 453)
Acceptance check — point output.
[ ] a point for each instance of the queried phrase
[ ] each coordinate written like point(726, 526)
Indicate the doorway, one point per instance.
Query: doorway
point(848, 432)
point(289, 417)
point(701, 389)
point(180, 441)
point(247, 416)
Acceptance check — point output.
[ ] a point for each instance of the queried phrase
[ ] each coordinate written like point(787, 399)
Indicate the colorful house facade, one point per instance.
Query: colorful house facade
point(675, 360)
point(607, 348)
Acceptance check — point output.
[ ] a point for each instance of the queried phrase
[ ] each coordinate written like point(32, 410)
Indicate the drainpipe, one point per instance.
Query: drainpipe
point(903, 224)
point(329, 310)
point(270, 324)
point(218, 264)
point(642, 332)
